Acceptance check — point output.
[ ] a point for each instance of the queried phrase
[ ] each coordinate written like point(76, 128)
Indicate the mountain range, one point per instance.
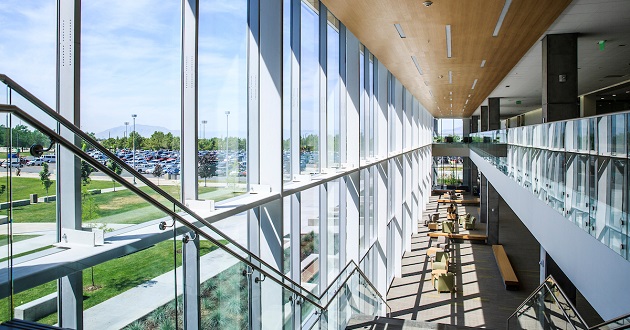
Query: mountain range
point(143, 130)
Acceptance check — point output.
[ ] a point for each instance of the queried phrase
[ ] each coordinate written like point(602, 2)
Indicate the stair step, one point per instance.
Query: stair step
point(26, 325)
point(368, 322)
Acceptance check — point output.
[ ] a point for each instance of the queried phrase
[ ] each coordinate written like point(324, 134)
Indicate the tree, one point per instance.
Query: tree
point(158, 172)
point(44, 176)
point(114, 167)
point(208, 166)
point(86, 170)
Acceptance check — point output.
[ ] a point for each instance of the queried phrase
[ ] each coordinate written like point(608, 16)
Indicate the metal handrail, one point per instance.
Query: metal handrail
point(544, 284)
point(103, 168)
point(174, 215)
point(74, 129)
point(618, 318)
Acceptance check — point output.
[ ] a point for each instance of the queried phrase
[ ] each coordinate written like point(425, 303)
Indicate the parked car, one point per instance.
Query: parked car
point(35, 162)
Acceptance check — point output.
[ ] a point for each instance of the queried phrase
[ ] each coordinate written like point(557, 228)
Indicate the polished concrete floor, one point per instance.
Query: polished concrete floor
point(481, 299)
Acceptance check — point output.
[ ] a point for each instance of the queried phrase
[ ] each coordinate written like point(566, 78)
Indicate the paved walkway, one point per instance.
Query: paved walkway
point(481, 299)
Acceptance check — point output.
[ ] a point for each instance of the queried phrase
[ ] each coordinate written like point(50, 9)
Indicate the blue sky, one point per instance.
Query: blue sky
point(131, 58)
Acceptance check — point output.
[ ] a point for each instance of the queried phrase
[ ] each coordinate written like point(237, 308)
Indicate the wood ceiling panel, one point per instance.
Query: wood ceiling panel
point(472, 24)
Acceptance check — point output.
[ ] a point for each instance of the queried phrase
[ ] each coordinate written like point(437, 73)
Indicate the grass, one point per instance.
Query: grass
point(116, 276)
point(15, 256)
point(121, 206)
point(23, 187)
point(4, 239)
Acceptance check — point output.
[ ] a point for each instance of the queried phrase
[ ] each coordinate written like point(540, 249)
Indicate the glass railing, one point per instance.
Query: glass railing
point(549, 308)
point(578, 167)
point(129, 242)
point(546, 308)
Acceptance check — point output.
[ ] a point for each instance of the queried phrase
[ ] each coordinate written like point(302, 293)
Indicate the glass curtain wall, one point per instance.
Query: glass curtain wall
point(309, 88)
point(325, 223)
point(222, 79)
point(333, 93)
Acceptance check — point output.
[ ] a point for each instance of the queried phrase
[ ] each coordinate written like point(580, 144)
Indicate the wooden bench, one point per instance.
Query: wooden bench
point(507, 273)
point(474, 201)
point(445, 191)
point(470, 237)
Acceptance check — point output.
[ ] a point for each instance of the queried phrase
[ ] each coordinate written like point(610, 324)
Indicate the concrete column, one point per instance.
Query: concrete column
point(70, 288)
point(484, 118)
point(474, 124)
point(474, 173)
point(466, 126)
point(466, 173)
point(560, 77)
point(588, 105)
point(492, 223)
point(483, 194)
point(494, 109)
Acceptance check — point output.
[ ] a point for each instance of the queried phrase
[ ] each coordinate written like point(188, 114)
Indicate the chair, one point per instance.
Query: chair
point(464, 218)
point(441, 242)
point(470, 223)
point(444, 282)
point(448, 227)
point(440, 261)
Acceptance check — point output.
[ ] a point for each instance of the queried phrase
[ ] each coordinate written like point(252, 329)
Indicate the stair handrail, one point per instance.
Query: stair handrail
point(618, 318)
point(174, 215)
point(545, 284)
point(75, 130)
point(362, 274)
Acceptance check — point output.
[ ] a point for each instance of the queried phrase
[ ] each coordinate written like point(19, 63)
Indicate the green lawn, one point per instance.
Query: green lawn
point(122, 206)
point(4, 239)
point(115, 276)
point(23, 187)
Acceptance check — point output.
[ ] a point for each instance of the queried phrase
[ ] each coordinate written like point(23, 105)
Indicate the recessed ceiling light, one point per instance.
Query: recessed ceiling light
point(602, 98)
point(483, 63)
point(614, 95)
point(474, 84)
point(466, 101)
point(400, 30)
point(501, 17)
point(415, 61)
point(450, 93)
point(448, 41)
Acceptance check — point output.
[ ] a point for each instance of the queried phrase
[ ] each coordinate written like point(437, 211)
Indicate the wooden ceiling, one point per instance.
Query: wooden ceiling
point(472, 25)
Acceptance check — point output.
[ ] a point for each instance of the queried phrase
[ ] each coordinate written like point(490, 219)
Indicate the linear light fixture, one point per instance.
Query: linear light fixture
point(415, 61)
point(466, 101)
point(400, 30)
point(450, 77)
point(474, 84)
point(483, 63)
point(426, 83)
point(430, 92)
point(501, 18)
point(448, 41)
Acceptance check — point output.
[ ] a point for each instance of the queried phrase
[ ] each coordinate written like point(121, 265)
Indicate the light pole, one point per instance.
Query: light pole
point(204, 122)
point(134, 144)
point(227, 147)
point(126, 124)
